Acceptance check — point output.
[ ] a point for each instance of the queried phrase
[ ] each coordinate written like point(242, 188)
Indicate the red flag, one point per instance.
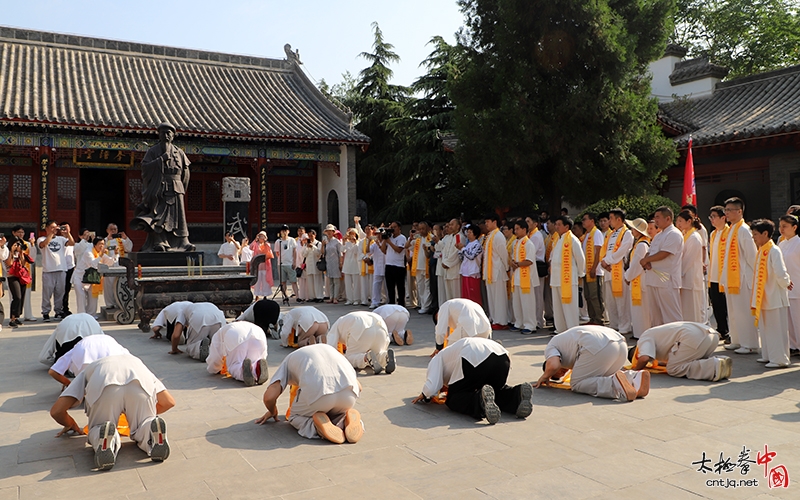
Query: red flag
point(689, 192)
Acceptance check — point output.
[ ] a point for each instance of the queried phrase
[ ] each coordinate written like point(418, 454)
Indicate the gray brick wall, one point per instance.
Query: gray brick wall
point(780, 169)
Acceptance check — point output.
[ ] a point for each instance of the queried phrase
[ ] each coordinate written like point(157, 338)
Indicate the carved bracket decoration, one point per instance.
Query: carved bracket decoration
point(330, 164)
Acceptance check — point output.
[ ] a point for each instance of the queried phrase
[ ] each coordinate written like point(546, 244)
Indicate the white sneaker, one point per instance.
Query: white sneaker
point(158, 440)
point(745, 350)
point(732, 347)
point(105, 455)
point(724, 368)
point(776, 365)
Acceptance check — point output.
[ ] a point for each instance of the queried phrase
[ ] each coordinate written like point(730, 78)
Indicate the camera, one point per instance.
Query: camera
point(116, 235)
point(63, 228)
point(385, 233)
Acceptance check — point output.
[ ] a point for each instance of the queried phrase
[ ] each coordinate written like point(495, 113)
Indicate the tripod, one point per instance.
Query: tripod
point(282, 287)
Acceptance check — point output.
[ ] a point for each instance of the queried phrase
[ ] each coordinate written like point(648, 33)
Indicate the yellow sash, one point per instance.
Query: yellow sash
point(734, 280)
point(550, 244)
point(415, 257)
point(723, 238)
point(760, 278)
point(120, 248)
point(365, 269)
point(566, 270)
point(636, 284)
point(510, 250)
point(488, 250)
point(688, 234)
point(617, 269)
point(97, 289)
point(510, 244)
point(524, 272)
point(590, 256)
point(604, 248)
point(781, 238)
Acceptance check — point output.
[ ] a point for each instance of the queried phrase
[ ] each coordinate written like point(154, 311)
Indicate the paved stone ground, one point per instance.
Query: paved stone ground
point(573, 446)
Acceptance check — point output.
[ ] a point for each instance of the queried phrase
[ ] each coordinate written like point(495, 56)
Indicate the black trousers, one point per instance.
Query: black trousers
point(17, 290)
point(67, 288)
point(720, 308)
point(434, 286)
point(396, 285)
point(266, 312)
point(464, 396)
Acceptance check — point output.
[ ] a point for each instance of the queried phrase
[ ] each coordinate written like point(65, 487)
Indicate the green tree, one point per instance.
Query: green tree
point(747, 36)
point(552, 103)
point(634, 206)
point(374, 101)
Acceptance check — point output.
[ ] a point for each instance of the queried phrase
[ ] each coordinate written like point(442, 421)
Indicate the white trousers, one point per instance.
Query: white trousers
point(378, 287)
point(618, 308)
point(452, 288)
point(396, 322)
point(693, 305)
point(441, 291)
point(794, 323)
point(372, 339)
point(665, 305)
point(195, 337)
point(694, 363)
point(741, 326)
point(593, 374)
point(411, 290)
point(28, 308)
point(524, 308)
point(773, 329)
point(365, 288)
point(539, 315)
point(301, 286)
point(423, 290)
point(314, 286)
point(565, 316)
point(640, 315)
point(138, 406)
point(110, 291)
point(497, 300)
point(352, 287)
point(86, 301)
point(335, 405)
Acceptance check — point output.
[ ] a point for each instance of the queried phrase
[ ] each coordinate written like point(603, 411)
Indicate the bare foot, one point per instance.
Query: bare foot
point(176, 351)
point(155, 336)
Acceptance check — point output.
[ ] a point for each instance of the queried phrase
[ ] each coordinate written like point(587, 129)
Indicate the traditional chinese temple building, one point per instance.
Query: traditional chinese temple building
point(78, 113)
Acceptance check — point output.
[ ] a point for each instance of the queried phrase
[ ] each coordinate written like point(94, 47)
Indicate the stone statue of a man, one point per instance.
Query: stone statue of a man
point(165, 177)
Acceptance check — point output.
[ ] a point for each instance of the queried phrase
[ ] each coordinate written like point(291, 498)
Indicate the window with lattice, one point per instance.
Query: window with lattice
point(134, 193)
point(22, 191)
point(194, 196)
point(67, 193)
point(5, 183)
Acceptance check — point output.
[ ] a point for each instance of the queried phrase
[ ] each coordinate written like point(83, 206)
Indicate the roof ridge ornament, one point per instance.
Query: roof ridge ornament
point(292, 56)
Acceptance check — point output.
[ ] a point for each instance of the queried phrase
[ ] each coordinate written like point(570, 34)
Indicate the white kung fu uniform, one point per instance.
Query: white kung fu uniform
point(537, 237)
point(326, 382)
point(299, 260)
point(395, 316)
point(462, 318)
point(200, 321)
point(301, 319)
point(119, 248)
point(420, 270)
point(773, 325)
point(743, 330)
point(791, 257)
point(84, 292)
point(365, 270)
point(693, 288)
point(378, 273)
point(311, 254)
point(236, 342)
point(86, 352)
point(595, 354)
point(664, 279)
point(167, 317)
point(565, 316)
point(114, 385)
point(69, 332)
point(685, 346)
point(640, 313)
point(524, 299)
point(361, 332)
point(451, 275)
point(351, 269)
point(618, 308)
point(496, 291)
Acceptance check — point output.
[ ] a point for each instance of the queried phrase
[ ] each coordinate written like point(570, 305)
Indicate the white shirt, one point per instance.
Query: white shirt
point(669, 240)
point(570, 344)
point(226, 341)
point(86, 352)
point(635, 269)
point(747, 257)
point(776, 293)
point(465, 318)
point(450, 258)
point(614, 257)
point(393, 257)
point(303, 317)
point(54, 255)
point(311, 253)
point(70, 328)
point(88, 260)
point(229, 248)
point(446, 368)
point(386, 310)
point(112, 370)
point(713, 262)
point(351, 263)
point(791, 257)
point(378, 260)
point(530, 254)
point(285, 249)
point(499, 257)
point(81, 247)
point(578, 260)
point(657, 342)
point(351, 326)
point(538, 242)
point(200, 314)
point(69, 257)
point(246, 255)
point(171, 313)
point(692, 263)
point(318, 370)
point(599, 238)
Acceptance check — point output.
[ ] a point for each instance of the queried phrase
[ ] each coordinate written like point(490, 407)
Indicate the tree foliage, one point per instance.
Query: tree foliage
point(634, 206)
point(747, 36)
point(552, 102)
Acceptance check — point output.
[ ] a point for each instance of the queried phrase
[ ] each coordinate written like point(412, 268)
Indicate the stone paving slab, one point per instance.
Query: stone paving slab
point(573, 446)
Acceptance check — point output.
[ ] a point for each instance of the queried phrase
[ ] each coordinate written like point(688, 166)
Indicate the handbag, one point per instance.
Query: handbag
point(321, 264)
point(91, 276)
point(541, 268)
point(20, 272)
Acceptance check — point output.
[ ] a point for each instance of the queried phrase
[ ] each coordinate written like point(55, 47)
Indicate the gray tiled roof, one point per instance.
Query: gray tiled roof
point(750, 107)
point(66, 81)
point(695, 69)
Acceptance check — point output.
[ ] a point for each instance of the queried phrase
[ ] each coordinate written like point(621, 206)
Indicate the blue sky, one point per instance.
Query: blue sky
point(329, 34)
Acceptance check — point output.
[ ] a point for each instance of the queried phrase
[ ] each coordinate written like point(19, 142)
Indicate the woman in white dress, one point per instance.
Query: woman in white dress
point(87, 293)
point(351, 268)
point(790, 246)
point(693, 290)
point(312, 250)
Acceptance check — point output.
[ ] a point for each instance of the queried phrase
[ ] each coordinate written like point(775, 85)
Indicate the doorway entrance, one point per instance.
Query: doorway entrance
point(103, 197)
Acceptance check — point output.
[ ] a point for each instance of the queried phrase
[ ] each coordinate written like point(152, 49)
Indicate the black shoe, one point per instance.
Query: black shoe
point(490, 409)
point(46, 318)
point(13, 324)
point(525, 407)
point(16, 322)
point(794, 352)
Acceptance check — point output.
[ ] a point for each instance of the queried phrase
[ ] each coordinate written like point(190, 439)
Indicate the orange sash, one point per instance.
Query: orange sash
point(760, 279)
point(566, 270)
point(590, 256)
point(524, 272)
point(734, 268)
point(292, 395)
point(617, 269)
point(98, 288)
point(636, 284)
point(488, 250)
point(415, 257)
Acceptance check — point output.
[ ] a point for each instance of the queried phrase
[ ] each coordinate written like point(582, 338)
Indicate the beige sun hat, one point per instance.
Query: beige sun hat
point(638, 224)
point(330, 227)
